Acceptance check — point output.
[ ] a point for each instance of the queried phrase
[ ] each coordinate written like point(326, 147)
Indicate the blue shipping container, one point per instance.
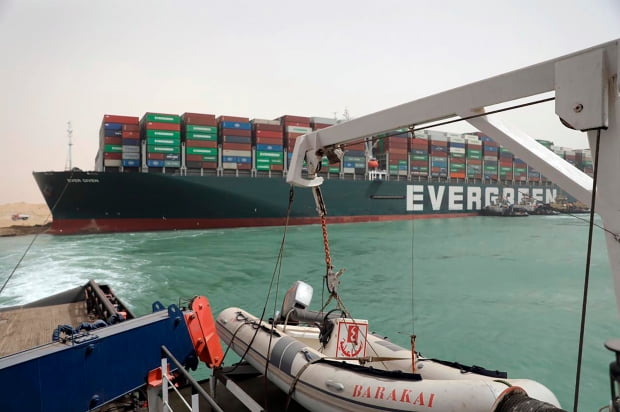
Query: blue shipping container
point(229, 159)
point(131, 163)
point(112, 133)
point(269, 147)
point(113, 126)
point(155, 163)
point(244, 159)
point(454, 144)
point(494, 149)
point(236, 125)
point(130, 142)
point(172, 163)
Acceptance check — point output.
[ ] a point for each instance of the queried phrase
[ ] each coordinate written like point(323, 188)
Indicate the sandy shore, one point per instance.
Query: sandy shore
point(39, 218)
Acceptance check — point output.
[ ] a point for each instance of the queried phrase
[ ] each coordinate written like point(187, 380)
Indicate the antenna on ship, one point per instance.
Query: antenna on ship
point(68, 163)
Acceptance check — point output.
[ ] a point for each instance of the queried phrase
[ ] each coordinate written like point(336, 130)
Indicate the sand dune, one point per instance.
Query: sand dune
point(39, 214)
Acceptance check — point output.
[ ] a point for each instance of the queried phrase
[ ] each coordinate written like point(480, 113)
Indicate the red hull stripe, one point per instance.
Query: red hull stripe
point(77, 226)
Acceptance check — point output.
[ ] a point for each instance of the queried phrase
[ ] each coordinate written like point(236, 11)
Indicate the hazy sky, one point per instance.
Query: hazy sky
point(76, 60)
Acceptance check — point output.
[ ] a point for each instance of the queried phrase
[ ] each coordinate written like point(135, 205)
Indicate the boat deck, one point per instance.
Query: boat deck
point(27, 327)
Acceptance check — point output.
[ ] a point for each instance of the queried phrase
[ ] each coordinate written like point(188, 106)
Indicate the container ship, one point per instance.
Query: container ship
point(198, 171)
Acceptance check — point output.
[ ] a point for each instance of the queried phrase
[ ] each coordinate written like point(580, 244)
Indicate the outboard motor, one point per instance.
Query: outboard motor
point(295, 304)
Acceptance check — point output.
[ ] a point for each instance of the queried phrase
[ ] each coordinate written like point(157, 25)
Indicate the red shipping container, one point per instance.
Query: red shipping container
point(113, 118)
point(457, 175)
point(268, 127)
point(456, 160)
point(355, 146)
point(200, 143)
point(295, 124)
point(199, 119)
point(115, 156)
point(112, 140)
point(236, 146)
point(264, 133)
point(131, 128)
point(233, 119)
point(276, 167)
point(269, 140)
point(193, 158)
point(399, 152)
point(175, 127)
point(439, 154)
point(156, 156)
point(439, 143)
point(209, 165)
point(236, 132)
point(244, 166)
point(130, 134)
point(295, 119)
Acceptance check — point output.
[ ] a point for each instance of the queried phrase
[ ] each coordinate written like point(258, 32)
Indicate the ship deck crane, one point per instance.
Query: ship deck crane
point(587, 98)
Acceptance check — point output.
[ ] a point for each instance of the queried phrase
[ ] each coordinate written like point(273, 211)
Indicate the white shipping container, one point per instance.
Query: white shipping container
point(265, 121)
point(456, 139)
point(242, 153)
point(457, 150)
point(112, 162)
point(229, 165)
point(131, 149)
point(348, 169)
point(131, 156)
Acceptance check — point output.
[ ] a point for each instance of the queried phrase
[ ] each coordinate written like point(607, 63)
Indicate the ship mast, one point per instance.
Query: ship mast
point(68, 162)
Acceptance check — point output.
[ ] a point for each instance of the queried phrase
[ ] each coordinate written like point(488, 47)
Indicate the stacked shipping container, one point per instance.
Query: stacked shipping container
point(473, 156)
point(235, 136)
point(268, 140)
point(456, 158)
point(438, 146)
point(199, 132)
point(162, 133)
point(490, 153)
point(505, 164)
point(119, 141)
point(393, 152)
point(236, 143)
point(418, 157)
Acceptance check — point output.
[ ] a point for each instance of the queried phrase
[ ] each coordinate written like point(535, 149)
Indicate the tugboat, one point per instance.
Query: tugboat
point(563, 205)
point(502, 207)
point(534, 207)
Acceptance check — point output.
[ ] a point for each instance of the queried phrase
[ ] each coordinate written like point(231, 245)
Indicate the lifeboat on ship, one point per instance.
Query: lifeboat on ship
point(331, 362)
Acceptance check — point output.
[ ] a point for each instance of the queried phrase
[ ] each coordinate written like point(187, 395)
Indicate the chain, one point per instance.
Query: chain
point(328, 257)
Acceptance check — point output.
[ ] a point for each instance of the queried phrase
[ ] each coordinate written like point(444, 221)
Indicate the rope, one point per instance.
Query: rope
point(587, 273)
point(36, 235)
point(275, 275)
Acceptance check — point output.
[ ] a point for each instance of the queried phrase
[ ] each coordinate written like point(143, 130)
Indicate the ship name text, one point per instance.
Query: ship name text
point(457, 198)
point(79, 180)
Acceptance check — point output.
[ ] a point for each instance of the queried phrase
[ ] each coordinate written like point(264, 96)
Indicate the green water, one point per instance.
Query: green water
point(500, 293)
